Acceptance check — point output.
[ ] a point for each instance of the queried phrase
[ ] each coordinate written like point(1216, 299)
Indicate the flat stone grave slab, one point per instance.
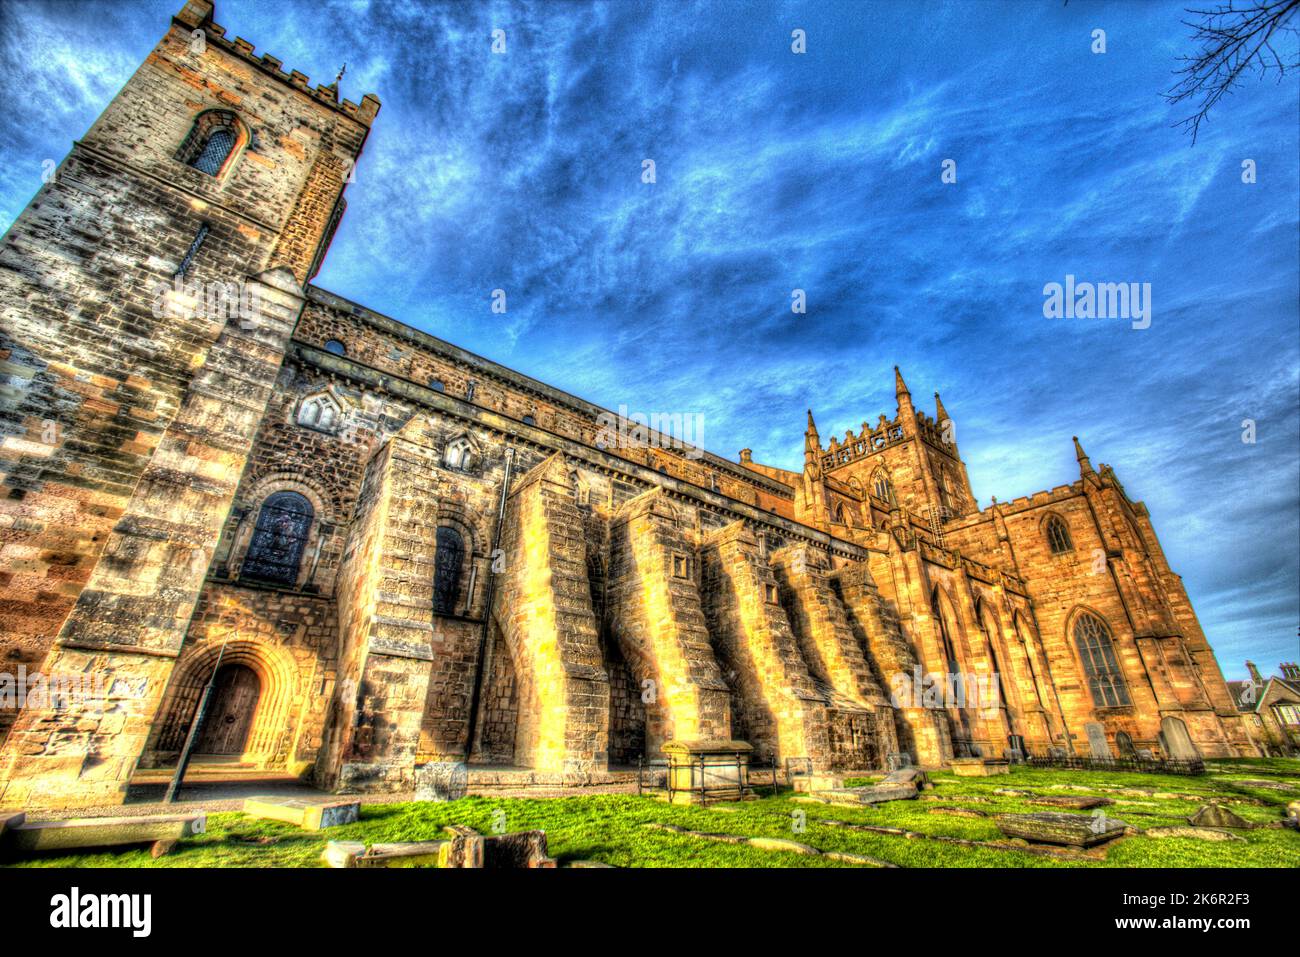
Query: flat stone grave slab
point(307, 814)
point(30, 836)
point(907, 776)
point(871, 794)
point(1077, 803)
point(1056, 827)
point(1199, 833)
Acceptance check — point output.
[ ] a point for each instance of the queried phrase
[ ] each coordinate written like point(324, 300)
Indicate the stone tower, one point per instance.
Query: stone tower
point(149, 292)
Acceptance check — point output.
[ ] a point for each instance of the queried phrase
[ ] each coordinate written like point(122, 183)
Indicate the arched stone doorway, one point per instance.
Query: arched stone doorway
point(236, 693)
point(1177, 742)
point(271, 723)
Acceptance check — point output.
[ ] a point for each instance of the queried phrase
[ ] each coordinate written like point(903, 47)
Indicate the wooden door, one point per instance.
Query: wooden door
point(230, 712)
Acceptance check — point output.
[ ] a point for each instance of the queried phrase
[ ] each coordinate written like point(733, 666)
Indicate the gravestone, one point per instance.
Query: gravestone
point(441, 781)
point(897, 760)
point(1097, 740)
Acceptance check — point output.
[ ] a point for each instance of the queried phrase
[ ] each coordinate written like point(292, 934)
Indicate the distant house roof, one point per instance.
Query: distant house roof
point(1250, 697)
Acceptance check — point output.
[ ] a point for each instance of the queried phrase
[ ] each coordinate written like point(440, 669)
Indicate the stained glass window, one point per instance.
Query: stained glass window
point(275, 553)
point(1097, 652)
point(446, 570)
point(213, 155)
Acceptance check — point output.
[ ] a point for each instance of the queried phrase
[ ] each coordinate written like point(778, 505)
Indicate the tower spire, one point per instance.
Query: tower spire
point(1085, 466)
point(900, 387)
point(811, 440)
point(940, 413)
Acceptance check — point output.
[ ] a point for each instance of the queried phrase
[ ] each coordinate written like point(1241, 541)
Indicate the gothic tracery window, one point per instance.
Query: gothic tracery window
point(1097, 652)
point(882, 487)
point(319, 412)
point(279, 538)
point(1058, 536)
point(458, 454)
point(447, 559)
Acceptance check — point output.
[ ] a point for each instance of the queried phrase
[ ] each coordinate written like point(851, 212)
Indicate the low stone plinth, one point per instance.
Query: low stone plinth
point(465, 849)
point(441, 781)
point(306, 814)
point(980, 767)
point(30, 836)
point(1054, 827)
point(342, 853)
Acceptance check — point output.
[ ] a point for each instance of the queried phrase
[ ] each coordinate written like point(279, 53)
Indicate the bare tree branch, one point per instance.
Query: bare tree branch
point(1236, 39)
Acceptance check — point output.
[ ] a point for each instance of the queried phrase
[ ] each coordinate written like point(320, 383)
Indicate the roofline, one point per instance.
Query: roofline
point(488, 367)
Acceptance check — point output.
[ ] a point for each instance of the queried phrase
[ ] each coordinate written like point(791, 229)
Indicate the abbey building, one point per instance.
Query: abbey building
point(391, 551)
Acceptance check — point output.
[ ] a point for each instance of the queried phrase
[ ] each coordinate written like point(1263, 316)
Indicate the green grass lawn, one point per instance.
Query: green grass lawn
point(608, 828)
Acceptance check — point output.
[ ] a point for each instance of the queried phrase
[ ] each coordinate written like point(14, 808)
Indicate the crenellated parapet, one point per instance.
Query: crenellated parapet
point(198, 15)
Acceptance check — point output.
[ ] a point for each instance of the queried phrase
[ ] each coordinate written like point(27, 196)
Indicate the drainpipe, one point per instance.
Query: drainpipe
point(484, 658)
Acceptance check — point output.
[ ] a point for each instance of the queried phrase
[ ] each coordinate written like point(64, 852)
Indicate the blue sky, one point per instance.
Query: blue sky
point(775, 171)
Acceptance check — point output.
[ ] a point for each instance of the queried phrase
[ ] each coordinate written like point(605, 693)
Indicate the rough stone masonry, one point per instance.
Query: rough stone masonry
point(401, 553)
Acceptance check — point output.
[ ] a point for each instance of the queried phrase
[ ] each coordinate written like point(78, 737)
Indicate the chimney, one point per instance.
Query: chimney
point(1254, 673)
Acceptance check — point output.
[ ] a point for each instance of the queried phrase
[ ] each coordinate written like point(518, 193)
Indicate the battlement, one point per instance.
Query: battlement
point(869, 441)
point(198, 15)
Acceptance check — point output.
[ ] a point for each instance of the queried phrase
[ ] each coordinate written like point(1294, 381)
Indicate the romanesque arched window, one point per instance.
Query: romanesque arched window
point(1058, 536)
point(212, 142)
point(279, 538)
point(1097, 652)
point(335, 347)
point(459, 454)
point(447, 560)
point(881, 487)
point(437, 386)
